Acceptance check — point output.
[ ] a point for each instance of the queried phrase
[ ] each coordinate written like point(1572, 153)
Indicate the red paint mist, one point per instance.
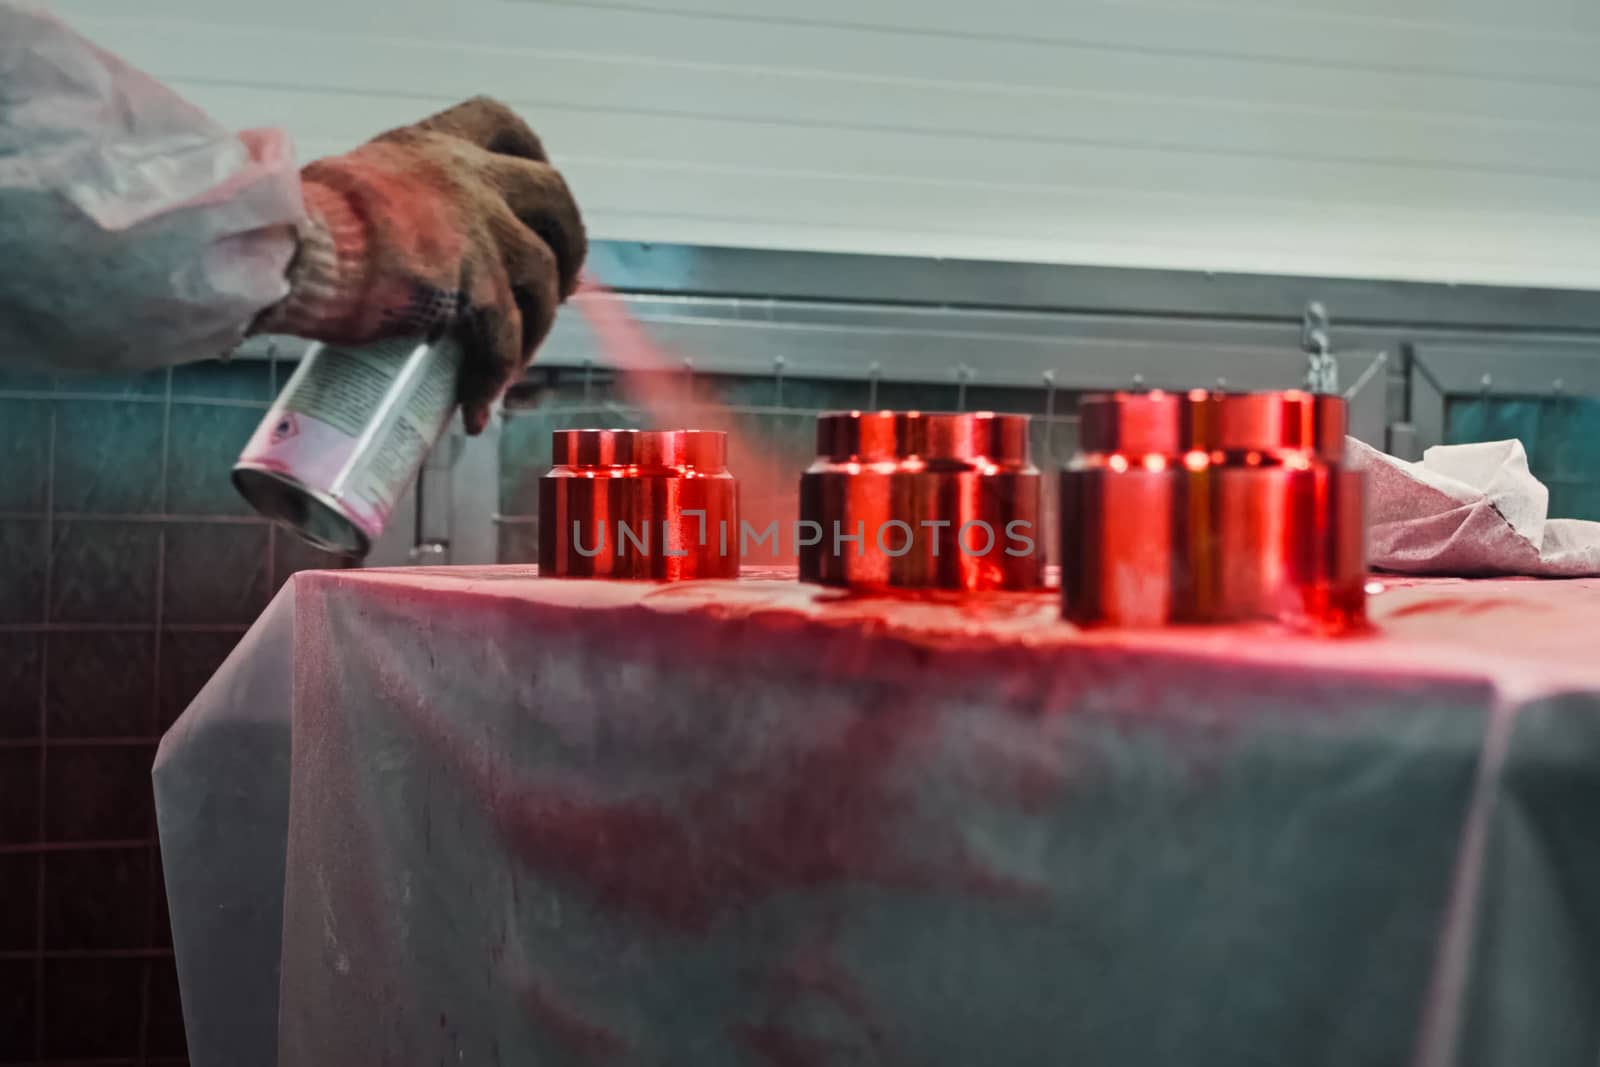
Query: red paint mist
point(656, 383)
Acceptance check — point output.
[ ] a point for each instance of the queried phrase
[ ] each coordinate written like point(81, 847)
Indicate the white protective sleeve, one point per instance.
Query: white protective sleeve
point(135, 232)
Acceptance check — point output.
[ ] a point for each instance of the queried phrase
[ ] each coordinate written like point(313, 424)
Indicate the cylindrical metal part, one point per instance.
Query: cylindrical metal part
point(908, 500)
point(641, 504)
point(346, 437)
point(1207, 507)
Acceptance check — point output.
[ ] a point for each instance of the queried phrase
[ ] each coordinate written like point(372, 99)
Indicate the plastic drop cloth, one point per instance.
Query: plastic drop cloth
point(1469, 511)
point(136, 231)
point(467, 816)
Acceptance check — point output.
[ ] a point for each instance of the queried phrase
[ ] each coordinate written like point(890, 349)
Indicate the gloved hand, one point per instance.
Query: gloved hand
point(456, 225)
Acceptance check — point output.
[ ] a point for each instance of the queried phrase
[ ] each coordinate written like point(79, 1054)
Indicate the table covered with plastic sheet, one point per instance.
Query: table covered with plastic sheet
point(471, 816)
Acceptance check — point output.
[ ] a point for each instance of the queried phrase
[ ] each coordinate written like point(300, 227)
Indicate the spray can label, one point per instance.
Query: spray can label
point(350, 430)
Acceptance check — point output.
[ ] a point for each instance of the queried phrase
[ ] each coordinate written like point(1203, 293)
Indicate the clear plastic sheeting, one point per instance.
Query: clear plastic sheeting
point(760, 823)
point(222, 802)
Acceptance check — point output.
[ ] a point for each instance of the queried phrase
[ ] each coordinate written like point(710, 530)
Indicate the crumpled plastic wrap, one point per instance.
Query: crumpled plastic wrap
point(136, 231)
point(469, 816)
point(1469, 511)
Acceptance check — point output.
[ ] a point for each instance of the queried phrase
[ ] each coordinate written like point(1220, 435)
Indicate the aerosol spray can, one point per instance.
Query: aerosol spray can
point(347, 436)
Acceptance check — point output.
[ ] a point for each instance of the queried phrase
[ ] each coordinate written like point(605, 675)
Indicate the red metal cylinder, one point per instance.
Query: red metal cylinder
point(640, 504)
point(907, 500)
point(1206, 507)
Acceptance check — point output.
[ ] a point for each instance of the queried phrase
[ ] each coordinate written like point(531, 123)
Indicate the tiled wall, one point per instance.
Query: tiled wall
point(128, 569)
point(1561, 434)
point(777, 421)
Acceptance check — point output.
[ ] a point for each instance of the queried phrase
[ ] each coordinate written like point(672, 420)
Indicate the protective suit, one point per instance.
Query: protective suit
point(137, 232)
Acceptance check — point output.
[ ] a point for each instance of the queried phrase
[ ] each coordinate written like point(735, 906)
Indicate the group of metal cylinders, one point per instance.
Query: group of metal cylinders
point(1196, 507)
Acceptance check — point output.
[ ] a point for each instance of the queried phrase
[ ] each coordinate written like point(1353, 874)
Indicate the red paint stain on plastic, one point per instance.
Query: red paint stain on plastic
point(828, 815)
point(813, 980)
point(1461, 606)
point(777, 1046)
point(576, 1033)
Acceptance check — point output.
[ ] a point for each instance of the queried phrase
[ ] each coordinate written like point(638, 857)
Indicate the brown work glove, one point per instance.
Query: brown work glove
point(457, 225)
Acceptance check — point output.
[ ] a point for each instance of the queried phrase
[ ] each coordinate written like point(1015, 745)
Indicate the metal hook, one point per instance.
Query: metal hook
point(1314, 327)
point(1322, 374)
point(1049, 412)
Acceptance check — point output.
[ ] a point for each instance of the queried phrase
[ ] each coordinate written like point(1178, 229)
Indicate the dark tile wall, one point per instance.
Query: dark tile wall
point(774, 422)
point(1561, 434)
point(129, 568)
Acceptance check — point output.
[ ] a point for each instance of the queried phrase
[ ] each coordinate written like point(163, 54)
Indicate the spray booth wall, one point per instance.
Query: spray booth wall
point(1448, 141)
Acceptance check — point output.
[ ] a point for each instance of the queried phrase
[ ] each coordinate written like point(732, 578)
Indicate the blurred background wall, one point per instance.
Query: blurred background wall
point(1431, 140)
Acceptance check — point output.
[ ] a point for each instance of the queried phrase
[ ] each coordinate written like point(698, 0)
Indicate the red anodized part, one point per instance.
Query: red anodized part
point(908, 500)
point(640, 504)
point(1207, 507)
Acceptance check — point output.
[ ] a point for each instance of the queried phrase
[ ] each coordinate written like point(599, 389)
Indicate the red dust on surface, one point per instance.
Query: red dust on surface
point(833, 802)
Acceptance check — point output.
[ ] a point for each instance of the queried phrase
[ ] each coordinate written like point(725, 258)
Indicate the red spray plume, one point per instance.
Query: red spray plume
point(660, 385)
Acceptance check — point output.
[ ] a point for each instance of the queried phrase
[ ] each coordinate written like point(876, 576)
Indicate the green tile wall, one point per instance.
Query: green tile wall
point(1561, 434)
